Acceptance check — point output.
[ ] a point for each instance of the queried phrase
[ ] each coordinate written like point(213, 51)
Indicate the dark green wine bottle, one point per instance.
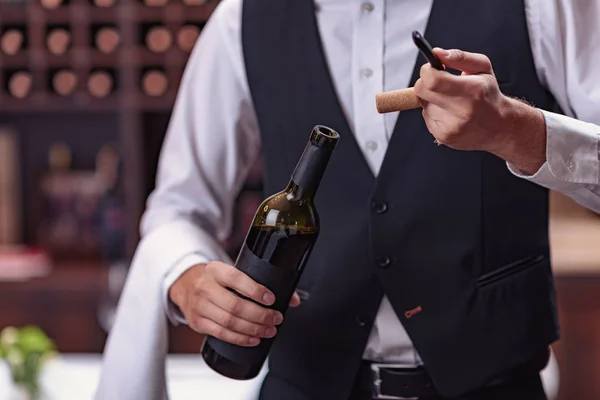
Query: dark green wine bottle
point(277, 246)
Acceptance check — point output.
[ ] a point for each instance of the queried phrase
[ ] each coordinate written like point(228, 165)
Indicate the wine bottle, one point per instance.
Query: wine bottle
point(276, 249)
point(187, 37)
point(154, 82)
point(159, 39)
point(51, 4)
point(104, 3)
point(58, 40)
point(11, 41)
point(156, 3)
point(194, 2)
point(107, 39)
point(64, 82)
point(100, 83)
point(19, 84)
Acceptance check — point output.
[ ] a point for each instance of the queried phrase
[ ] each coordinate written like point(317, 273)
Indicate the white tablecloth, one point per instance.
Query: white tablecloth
point(75, 377)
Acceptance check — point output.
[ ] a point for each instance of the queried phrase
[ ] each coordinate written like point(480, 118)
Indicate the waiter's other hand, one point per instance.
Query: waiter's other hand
point(210, 308)
point(469, 112)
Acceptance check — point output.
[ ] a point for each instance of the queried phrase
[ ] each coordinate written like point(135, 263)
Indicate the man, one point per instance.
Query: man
point(429, 257)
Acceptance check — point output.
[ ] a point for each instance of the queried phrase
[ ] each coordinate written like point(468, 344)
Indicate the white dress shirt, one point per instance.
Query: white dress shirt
point(213, 139)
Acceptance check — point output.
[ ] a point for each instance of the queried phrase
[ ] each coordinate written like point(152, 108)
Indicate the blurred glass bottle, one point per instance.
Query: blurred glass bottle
point(111, 228)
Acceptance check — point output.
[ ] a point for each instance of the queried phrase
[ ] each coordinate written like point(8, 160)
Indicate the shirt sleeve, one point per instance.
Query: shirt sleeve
point(211, 142)
point(565, 41)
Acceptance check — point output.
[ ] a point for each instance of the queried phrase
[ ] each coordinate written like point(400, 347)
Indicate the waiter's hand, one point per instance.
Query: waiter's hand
point(468, 112)
point(211, 309)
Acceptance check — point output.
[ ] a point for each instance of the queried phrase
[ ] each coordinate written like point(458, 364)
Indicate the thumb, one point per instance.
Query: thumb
point(295, 300)
point(469, 63)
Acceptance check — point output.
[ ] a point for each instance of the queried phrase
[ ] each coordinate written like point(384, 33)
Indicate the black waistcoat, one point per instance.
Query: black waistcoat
point(451, 232)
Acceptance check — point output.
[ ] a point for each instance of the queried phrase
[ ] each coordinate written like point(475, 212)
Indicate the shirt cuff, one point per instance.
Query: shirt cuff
point(572, 149)
point(171, 309)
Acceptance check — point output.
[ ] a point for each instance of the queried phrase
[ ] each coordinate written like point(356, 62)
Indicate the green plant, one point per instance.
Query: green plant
point(25, 350)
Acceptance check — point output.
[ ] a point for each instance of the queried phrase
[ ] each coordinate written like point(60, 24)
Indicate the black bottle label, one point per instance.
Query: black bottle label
point(281, 281)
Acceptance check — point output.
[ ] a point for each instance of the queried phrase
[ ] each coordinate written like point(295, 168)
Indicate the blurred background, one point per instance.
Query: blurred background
point(86, 91)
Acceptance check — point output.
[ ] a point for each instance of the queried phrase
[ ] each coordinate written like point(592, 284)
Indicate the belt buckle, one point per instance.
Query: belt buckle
point(376, 389)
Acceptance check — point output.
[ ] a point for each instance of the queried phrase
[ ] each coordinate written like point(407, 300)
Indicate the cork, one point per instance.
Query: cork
point(397, 100)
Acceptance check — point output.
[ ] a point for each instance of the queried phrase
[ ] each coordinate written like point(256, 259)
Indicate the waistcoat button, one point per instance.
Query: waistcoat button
point(362, 320)
point(380, 207)
point(384, 262)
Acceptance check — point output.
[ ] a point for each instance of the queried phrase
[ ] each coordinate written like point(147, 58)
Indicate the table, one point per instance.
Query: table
point(75, 377)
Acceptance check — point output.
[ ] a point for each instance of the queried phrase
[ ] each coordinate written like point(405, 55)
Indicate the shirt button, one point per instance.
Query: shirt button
point(371, 145)
point(368, 7)
point(384, 262)
point(379, 207)
point(366, 72)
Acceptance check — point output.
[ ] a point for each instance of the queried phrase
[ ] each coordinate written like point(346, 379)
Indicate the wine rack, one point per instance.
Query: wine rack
point(118, 59)
point(128, 37)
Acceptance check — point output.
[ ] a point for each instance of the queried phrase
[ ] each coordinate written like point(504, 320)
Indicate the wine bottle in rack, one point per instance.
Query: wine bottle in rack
point(12, 39)
point(194, 2)
point(58, 39)
point(157, 38)
point(156, 3)
point(52, 4)
point(154, 82)
point(64, 81)
point(19, 83)
point(106, 38)
point(187, 36)
point(101, 83)
point(104, 3)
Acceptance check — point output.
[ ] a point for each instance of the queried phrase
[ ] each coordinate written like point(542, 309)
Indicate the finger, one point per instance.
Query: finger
point(243, 308)
point(438, 81)
point(443, 94)
point(231, 322)
point(205, 325)
point(436, 113)
point(235, 279)
point(295, 300)
point(432, 123)
point(436, 119)
point(469, 63)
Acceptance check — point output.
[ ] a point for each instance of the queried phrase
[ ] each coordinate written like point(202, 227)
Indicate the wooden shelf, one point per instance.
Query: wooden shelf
point(162, 103)
point(169, 13)
point(19, 60)
point(44, 102)
point(126, 12)
point(13, 14)
point(64, 303)
point(143, 57)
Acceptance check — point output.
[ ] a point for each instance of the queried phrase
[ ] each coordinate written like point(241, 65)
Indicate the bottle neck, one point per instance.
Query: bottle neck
point(309, 171)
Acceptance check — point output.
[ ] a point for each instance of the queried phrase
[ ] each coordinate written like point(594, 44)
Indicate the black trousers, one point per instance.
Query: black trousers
point(530, 388)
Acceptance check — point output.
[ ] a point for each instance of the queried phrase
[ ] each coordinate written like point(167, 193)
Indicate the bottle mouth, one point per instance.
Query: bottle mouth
point(326, 131)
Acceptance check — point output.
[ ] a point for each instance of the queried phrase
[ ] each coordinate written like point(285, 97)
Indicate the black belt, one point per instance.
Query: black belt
point(397, 381)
